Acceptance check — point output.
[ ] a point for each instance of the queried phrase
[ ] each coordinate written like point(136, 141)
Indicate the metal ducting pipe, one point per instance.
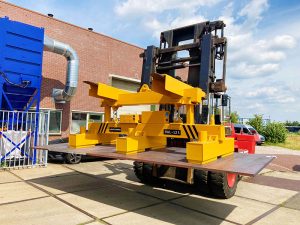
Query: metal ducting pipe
point(63, 95)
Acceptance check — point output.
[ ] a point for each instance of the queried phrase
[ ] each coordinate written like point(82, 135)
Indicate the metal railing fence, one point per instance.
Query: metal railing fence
point(20, 134)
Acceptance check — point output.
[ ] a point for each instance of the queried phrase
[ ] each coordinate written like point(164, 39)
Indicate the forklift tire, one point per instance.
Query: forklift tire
point(144, 172)
point(201, 181)
point(222, 185)
point(72, 158)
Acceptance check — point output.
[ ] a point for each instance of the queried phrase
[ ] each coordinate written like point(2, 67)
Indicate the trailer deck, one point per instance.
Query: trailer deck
point(244, 164)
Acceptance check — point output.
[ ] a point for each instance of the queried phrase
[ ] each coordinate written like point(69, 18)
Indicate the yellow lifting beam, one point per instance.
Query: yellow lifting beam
point(150, 130)
point(165, 90)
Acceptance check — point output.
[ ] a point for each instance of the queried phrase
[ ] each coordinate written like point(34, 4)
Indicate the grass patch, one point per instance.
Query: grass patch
point(292, 142)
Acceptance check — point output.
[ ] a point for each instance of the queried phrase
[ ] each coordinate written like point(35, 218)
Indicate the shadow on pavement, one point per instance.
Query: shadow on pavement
point(296, 168)
point(103, 197)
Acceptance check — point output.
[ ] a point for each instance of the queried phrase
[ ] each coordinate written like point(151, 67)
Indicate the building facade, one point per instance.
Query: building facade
point(102, 59)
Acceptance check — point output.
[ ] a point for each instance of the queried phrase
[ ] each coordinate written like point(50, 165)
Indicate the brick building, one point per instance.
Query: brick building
point(102, 59)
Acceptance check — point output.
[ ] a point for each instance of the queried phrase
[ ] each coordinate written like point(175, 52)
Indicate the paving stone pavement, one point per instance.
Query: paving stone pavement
point(107, 192)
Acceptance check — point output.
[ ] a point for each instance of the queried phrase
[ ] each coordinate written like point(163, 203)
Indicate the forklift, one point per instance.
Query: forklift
point(207, 48)
point(185, 138)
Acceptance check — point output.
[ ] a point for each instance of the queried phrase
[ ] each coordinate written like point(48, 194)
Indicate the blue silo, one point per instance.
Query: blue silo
point(21, 57)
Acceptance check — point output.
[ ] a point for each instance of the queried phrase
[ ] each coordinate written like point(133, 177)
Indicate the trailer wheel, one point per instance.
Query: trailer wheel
point(201, 181)
point(222, 185)
point(72, 158)
point(144, 172)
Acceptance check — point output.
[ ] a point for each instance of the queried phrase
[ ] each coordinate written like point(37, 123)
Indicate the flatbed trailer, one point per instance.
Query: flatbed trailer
point(239, 163)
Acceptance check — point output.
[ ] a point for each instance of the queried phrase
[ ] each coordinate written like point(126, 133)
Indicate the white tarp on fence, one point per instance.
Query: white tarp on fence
point(12, 143)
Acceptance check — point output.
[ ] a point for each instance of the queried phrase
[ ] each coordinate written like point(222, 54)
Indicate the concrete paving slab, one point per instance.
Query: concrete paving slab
point(263, 193)
point(281, 216)
point(121, 164)
point(235, 209)
point(12, 192)
point(293, 202)
point(157, 192)
point(265, 170)
point(93, 168)
point(110, 172)
point(123, 176)
point(275, 150)
point(71, 183)
point(46, 211)
point(163, 214)
point(6, 177)
point(284, 175)
point(110, 201)
point(50, 170)
point(94, 223)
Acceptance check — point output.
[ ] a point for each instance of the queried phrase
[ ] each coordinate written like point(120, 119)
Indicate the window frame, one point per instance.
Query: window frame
point(60, 122)
point(86, 119)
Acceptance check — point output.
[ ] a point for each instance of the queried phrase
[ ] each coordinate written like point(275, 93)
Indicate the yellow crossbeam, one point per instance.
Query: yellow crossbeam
point(165, 90)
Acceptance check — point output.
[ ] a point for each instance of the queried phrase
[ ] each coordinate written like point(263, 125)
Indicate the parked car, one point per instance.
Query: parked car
point(261, 138)
point(247, 129)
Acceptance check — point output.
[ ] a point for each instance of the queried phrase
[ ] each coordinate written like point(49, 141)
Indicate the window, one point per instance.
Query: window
point(131, 85)
point(82, 119)
point(246, 131)
point(55, 118)
point(237, 130)
point(95, 117)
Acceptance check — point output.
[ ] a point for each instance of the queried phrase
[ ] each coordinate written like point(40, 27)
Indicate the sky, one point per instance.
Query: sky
point(263, 41)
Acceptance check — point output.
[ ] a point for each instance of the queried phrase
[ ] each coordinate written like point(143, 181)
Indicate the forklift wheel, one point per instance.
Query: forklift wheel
point(72, 158)
point(201, 181)
point(222, 185)
point(144, 172)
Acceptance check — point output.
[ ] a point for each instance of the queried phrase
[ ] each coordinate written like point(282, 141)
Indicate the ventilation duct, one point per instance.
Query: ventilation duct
point(63, 95)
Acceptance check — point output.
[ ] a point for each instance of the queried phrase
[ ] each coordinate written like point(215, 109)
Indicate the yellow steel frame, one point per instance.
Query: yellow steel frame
point(136, 133)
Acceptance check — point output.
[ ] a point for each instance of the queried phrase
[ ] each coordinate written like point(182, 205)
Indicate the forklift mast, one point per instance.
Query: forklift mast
point(205, 49)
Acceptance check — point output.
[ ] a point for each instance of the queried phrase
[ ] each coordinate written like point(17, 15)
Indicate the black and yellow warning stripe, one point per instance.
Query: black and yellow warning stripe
point(102, 128)
point(190, 131)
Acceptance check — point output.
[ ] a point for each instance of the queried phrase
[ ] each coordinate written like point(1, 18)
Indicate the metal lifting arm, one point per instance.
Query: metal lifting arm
point(165, 90)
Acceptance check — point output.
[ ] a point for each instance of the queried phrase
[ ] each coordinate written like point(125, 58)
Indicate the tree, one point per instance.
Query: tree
point(275, 132)
point(290, 123)
point(234, 117)
point(257, 123)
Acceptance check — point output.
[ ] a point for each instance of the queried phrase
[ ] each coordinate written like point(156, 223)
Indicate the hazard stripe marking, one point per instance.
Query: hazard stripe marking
point(186, 132)
point(190, 129)
point(100, 127)
point(194, 127)
point(105, 128)
point(104, 125)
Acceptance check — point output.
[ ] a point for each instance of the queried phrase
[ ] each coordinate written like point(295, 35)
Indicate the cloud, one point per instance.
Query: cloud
point(157, 26)
point(138, 7)
point(253, 58)
point(253, 11)
point(155, 16)
point(282, 42)
point(272, 95)
point(256, 106)
point(248, 55)
point(243, 70)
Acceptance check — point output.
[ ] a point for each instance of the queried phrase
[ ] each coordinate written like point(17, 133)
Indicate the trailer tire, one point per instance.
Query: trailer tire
point(72, 158)
point(144, 172)
point(222, 185)
point(201, 181)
